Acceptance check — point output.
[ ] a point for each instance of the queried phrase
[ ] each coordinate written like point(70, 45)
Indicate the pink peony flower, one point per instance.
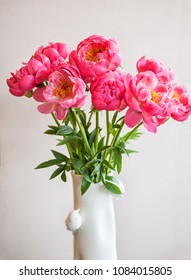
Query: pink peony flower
point(94, 56)
point(180, 103)
point(33, 73)
point(108, 91)
point(47, 107)
point(148, 101)
point(21, 82)
point(54, 51)
point(39, 67)
point(65, 90)
point(163, 74)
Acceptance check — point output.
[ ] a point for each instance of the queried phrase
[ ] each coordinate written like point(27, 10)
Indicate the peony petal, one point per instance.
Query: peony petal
point(26, 83)
point(38, 95)
point(132, 118)
point(41, 76)
point(99, 104)
point(16, 92)
point(150, 122)
point(150, 128)
point(46, 108)
point(60, 113)
point(151, 108)
point(114, 105)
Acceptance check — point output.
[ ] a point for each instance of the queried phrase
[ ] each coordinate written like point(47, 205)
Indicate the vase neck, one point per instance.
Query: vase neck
point(95, 194)
point(77, 181)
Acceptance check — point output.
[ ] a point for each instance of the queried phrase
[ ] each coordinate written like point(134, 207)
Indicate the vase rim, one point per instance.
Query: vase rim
point(74, 174)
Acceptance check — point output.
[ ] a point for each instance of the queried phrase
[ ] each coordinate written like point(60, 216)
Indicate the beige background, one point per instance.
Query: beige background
point(154, 217)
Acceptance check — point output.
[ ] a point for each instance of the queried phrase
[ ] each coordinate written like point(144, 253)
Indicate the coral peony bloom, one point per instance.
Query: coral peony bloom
point(94, 56)
point(33, 73)
point(180, 103)
point(108, 91)
point(54, 51)
point(65, 90)
point(163, 74)
point(39, 67)
point(21, 82)
point(148, 101)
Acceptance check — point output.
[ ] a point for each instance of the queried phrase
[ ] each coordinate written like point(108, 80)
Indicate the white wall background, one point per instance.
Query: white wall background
point(154, 217)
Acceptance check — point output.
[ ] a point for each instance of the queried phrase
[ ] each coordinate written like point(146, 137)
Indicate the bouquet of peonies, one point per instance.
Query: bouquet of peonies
point(61, 80)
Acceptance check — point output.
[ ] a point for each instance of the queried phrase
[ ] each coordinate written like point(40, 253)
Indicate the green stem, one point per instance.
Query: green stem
point(107, 133)
point(115, 138)
point(55, 119)
point(67, 144)
point(107, 125)
point(82, 132)
point(69, 151)
point(90, 118)
point(97, 131)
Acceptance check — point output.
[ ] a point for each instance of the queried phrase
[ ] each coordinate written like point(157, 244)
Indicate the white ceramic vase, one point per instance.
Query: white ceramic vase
point(92, 222)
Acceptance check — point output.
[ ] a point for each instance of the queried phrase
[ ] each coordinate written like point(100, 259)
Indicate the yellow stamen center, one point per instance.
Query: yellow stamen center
point(91, 55)
point(176, 96)
point(64, 90)
point(155, 96)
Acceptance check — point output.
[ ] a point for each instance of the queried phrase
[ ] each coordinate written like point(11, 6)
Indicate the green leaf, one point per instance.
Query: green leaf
point(131, 135)
point(86, 176)
point(128, 151)
point(68, 139)
point(65, 130)
point(49, 163)
point(112, 185)
point(101, 143)
point(50, 132)
point(53, 127)
point(114, 118)
point(103, 176)
point(105, 162)
point(90, 163)
point(85, 169)
point(120, 119)
point(53, 130)
point(72, 118)
point(121, 145)
point(92, 136)
point(63, 176)
point(78, 164)
point(60, 156)
point(101, 150)
point(117, 157)
point(85, 186)
point(96, 169)
point(116, 126)
point(57, 172)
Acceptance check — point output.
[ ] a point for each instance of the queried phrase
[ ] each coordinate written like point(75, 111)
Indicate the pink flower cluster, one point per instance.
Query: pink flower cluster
point(58, 80)
point(152, 96)
point(37, 69)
